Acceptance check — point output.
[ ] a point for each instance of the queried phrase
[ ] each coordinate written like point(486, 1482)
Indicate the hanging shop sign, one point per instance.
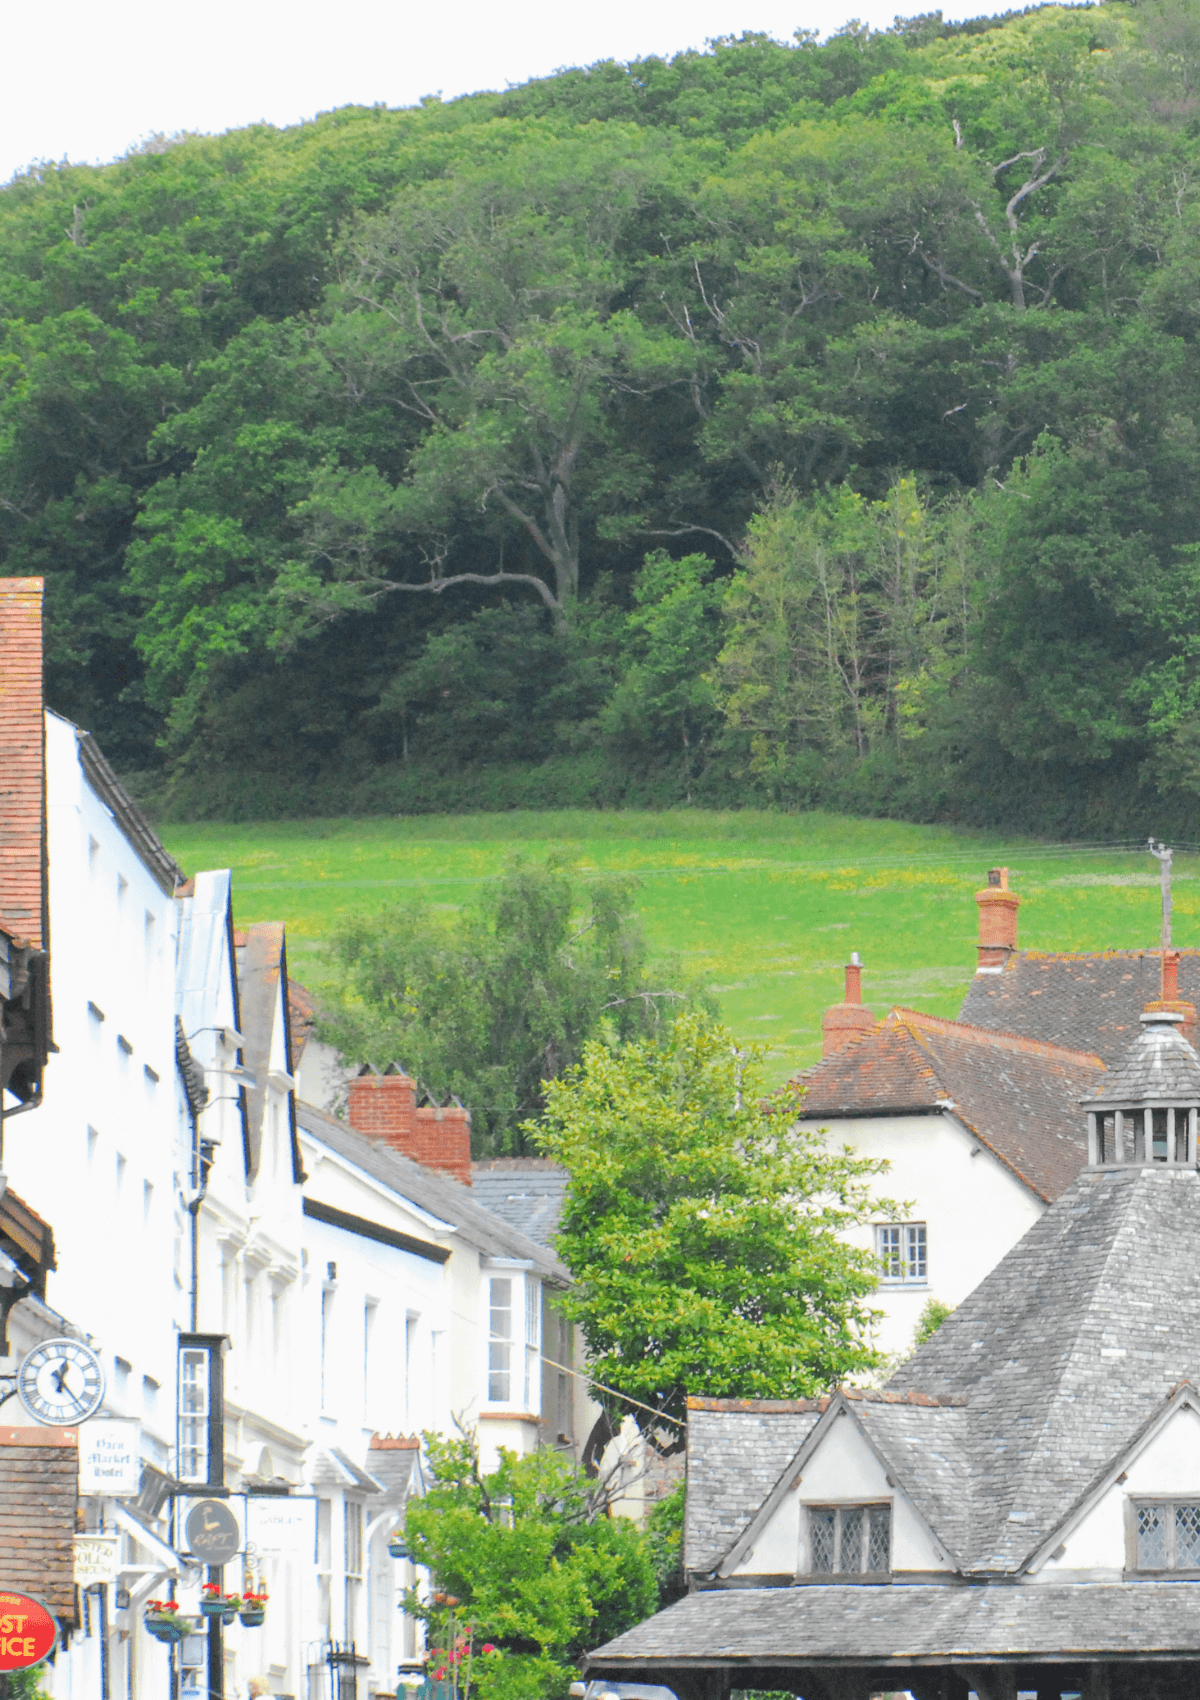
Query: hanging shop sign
point(28, 1633)
point(110, 1457)
point(213, 1529)
point(96, 1559)
point(280, 1526)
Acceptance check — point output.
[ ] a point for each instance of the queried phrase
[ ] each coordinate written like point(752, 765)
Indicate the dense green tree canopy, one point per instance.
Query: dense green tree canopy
point(524, 1562)
point(704, 1237)
point(288, 417)
point(491, 1005)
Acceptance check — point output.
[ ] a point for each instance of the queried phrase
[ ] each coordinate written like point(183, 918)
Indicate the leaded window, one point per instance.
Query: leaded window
point(1167, 1534)
point(850, 1540)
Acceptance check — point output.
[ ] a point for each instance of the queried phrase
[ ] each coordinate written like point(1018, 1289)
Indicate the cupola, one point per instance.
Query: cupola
point(1147, 1112)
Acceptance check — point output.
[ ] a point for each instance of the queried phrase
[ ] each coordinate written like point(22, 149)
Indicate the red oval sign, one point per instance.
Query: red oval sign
point(27, 1631)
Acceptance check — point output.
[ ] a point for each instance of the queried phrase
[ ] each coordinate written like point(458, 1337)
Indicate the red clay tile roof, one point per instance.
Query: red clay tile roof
point(1019, 1096)
point(1089, 1000)
point(22, 761)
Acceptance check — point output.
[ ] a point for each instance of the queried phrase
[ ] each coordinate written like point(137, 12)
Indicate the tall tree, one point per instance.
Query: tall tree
point(704, 1234)
point(496, 1005)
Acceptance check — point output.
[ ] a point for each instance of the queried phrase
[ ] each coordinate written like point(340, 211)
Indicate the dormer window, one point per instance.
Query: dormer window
point(850, 1540)
point(1165, 1535)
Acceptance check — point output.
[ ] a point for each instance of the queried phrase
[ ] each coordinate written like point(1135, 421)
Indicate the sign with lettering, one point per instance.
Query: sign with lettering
point(110, 1457)
point(278, 1526)
point(212, 1531)
point(28, 1633)
point(96, 1559)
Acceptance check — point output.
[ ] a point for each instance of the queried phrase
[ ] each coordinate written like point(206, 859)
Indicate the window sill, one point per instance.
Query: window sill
point(500, 1414)
point(841, 1578)
point(891, 1285)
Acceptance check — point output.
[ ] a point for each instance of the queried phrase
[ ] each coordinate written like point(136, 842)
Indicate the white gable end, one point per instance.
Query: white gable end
point(843, 1469)
point(1168, 1465)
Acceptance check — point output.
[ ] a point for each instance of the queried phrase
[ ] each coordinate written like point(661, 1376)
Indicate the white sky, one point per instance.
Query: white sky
point(86, 81)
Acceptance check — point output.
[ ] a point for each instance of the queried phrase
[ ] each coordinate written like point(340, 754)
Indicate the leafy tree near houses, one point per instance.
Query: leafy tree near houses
point(494, 1004)
point(703, 1234)
point(535, 1567)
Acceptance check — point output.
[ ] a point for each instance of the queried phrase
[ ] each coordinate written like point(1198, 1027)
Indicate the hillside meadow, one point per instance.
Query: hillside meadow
point(764, 908)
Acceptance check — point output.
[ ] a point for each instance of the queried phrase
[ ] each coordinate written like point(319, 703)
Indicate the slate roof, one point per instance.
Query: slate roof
point(527, 1192)
point(1018, 1095)
point(855, 1625)
point(432, 1191)
point(1066, 1350)
point(1161, 1068)
point(736, 1451)
point(1089, 1001)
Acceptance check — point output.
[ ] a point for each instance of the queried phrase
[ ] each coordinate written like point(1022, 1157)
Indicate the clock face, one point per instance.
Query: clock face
point(61, 1381)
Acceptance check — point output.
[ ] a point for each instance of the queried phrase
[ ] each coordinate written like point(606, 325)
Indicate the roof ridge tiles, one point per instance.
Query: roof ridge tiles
point(822, 1401)
point(996, 1036)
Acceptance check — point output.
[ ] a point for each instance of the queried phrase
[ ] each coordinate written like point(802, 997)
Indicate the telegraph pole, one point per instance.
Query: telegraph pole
point(1163, 857)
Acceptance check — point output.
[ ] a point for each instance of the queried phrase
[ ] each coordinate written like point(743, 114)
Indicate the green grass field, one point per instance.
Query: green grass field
point(765, 908)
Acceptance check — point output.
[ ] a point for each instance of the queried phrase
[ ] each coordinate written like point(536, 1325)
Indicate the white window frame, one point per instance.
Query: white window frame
point(903, 1252)
point(523, 1340)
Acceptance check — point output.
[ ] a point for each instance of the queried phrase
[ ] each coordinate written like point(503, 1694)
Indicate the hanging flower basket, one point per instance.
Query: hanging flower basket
point(213, 1607)
point(165, 1623)
point(398, 1544)
point(252, 1616)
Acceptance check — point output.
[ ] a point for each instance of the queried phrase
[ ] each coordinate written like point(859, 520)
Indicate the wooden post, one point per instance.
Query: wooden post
point(1094, 1153)
point(1096, 1685)
point(1191, 1156)
point(1170, 1133)
point(1118, 1136)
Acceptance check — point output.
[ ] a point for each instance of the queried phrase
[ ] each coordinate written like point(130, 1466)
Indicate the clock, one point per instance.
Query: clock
point(61, 1381)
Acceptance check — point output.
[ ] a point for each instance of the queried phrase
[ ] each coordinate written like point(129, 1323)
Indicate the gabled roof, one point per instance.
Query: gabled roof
point(1018, 1095)
point(1092, 1001)
point(432, 1191)
point(262, 982)
point(1067, 1348)
point(924, 1455)
point(527, 1192)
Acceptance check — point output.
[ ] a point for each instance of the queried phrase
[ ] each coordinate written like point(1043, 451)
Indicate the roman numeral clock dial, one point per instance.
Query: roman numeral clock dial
point(61, 1382)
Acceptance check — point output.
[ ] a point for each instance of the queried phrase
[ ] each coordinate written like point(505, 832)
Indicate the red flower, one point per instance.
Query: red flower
point(488, 1648)
point(438, 1675)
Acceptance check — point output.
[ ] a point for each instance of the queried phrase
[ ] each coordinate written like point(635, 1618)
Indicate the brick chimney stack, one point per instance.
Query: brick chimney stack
point(384, 1107)
point(22, 763)
point(842, 1021)
point(997, 922)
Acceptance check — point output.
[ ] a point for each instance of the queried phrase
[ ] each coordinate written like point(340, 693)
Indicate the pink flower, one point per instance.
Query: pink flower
point(439, 1674)
point(488, 1648)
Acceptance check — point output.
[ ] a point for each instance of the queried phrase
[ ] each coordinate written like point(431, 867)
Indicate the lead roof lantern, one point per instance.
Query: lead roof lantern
point(1147, 1111)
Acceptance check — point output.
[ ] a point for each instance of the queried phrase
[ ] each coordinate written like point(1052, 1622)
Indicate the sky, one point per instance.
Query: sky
point(87, 82)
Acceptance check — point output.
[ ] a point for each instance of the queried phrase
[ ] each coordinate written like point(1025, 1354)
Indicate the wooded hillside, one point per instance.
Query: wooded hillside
point(781, 422)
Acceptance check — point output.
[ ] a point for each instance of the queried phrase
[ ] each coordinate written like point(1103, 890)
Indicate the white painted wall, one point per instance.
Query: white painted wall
point(99, 1158)
point(974, 1207)
point(1169, 1464)
point(843, 1468)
